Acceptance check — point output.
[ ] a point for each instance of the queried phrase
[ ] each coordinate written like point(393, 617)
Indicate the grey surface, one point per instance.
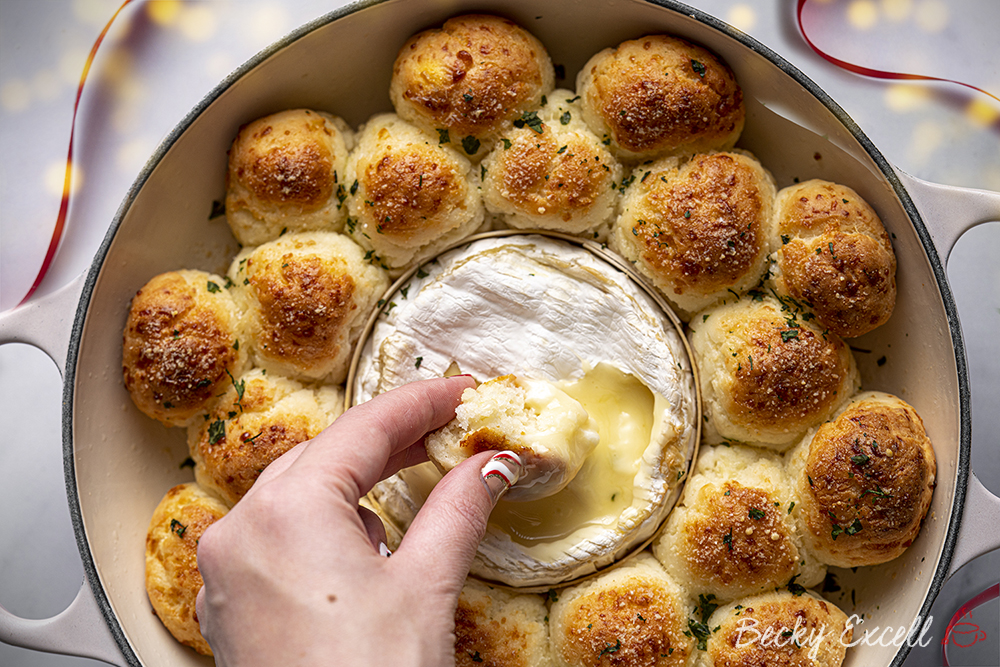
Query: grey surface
point(40, 568)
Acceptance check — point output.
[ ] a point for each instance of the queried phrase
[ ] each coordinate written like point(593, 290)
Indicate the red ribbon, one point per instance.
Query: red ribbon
point(60, 227)
point(874, 73)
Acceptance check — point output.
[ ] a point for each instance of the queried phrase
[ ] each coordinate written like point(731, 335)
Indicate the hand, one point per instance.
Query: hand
point(293, 574)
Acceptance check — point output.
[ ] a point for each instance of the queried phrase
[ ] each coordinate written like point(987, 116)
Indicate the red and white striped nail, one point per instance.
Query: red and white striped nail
point(501, 472)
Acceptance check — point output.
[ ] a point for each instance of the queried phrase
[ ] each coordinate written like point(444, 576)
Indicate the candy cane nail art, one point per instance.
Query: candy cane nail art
point(501, 472)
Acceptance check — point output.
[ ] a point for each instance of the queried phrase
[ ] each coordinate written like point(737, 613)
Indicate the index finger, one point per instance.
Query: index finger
point(353, 451)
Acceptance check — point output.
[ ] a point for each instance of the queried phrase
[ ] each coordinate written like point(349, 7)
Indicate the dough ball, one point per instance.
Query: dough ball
point(306, 298)
point(470, 79)
point(865, 480)
point(553, 173)
point(661, 95)
point(768, 373)
point(550, 431)
point(632, 615)
point(732, 534)
point(286, 172)
point(777, 628)
point(833, 255)
point(410, 195)
point(260, 417)
point(172, 576)
point(699, 230)
point(500, 628)
point(182, 339)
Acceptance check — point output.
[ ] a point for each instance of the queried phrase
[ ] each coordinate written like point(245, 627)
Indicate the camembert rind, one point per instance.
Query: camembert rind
point(540, 307)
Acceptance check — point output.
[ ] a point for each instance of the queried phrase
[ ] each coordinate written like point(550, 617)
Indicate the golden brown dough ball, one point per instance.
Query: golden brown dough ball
point(172, 576)
point(660, 95)
point(732, 534)
point(306, 298)
point(553, 173)
point(833, 255)
point(182, 339)
point(260, 417)
point(777, 629)
point(634, 614)
point(768, 373)
point(699, 230)
point(865, 480)
point(497, 628)
point(286, 172)
point(410, 195)
point(470, 79)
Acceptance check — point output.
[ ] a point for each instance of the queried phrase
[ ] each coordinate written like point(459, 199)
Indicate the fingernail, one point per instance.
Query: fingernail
point(501, 472)
point(383, 550)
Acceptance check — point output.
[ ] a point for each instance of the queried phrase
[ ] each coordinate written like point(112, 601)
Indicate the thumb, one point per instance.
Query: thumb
point(442, 540)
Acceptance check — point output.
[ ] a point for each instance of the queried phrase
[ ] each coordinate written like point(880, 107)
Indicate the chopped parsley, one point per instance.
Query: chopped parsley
point(698, 68)
point(177, 528)
point(566, 118)
point(860, 459)
point(727, 539)
point(470, 144)
point(611, 649)
point(700, 631)
point(789, 334)
point(419, 361)
point(354, 187)
point(216, 431)
point(706, 606)
point(218, 208)
point(531, 120)
point(506, 143)
point(756, 514)
point(794, 588)
point(854, 528)
point(443, 137)
point(213, 287)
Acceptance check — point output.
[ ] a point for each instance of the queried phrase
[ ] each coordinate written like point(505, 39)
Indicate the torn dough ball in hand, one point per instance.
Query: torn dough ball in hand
point(548, 429)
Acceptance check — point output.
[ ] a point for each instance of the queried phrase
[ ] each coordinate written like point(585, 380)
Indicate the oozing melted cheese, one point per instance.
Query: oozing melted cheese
point(623, 408)
point(625, 411)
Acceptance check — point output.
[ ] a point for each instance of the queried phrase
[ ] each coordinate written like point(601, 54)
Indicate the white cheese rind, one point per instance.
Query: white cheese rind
point(538, 307)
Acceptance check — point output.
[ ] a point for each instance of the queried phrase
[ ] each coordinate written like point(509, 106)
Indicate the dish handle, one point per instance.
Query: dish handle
point(80, 629)
point(948, 213)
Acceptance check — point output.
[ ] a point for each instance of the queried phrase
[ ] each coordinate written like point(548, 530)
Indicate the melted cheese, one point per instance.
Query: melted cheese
point(622, 408)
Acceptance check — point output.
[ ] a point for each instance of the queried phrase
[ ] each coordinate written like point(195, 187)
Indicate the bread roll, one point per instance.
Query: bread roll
point(632, 615)
point(699, 230)
point(172, 576)
point(550, 432)
point(499, 628)
point(732, 534)
point(258, 418)
point(470, 79)
point(410, 195)
point(553, 174)
point(767, 372)
point(306, 298)
point(865, 481)
point(833, 255)
point(286, 172)
point(777, 628)
point(182, 340)
point(661, 95)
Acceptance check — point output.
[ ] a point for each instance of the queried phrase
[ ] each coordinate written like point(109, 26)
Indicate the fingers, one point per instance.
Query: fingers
point(358, 447)
point(444, 536)
point(375, 529)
